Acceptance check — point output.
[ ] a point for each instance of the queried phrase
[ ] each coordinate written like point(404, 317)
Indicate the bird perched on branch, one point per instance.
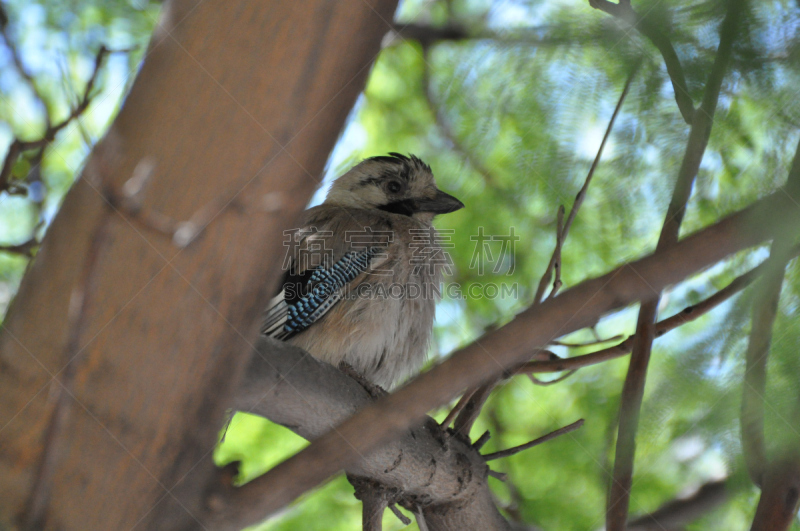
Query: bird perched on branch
point(363, 274)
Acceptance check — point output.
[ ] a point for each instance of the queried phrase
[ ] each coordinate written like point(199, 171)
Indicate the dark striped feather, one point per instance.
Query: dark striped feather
point(323, 289)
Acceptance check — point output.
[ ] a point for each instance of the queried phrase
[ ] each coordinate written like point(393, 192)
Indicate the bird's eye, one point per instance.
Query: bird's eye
point(394, 187)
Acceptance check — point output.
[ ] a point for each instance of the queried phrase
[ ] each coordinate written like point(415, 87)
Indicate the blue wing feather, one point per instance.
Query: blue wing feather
point(324, 288)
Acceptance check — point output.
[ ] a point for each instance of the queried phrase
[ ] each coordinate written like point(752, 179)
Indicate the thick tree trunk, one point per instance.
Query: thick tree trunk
point(121, 352)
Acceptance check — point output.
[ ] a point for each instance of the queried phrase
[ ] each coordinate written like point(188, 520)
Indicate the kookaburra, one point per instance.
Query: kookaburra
point(363, 273)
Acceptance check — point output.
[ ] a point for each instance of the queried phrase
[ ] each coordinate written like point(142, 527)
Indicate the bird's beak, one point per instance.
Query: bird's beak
point(442, 203)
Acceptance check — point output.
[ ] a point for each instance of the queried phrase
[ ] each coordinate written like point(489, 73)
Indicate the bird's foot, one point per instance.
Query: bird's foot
point(374, 390)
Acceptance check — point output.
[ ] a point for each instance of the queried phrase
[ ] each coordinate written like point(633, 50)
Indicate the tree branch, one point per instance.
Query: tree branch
point(543, 439)
point(556, 258)
point(424, 466)
point(625, 12)
point(18, 146)
point(430, 35)
point(581, 344)
point(478, 396)
point(777, 507)
point(633, 389)
point(681, 512)
point(202, 327)
point(765, 307)
point(373, 501)
point(511, 344)
point(469, 414)
point(400, 516)
point(25, 248)
point(545, 383)
point(686, 315)
point(483, 439)
point(457, 408)
point(581, 195)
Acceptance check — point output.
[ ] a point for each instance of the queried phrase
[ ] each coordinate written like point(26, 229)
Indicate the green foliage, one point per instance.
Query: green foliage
point(510, 122)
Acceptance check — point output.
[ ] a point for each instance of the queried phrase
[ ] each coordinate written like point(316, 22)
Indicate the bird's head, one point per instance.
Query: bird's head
point(394, 183)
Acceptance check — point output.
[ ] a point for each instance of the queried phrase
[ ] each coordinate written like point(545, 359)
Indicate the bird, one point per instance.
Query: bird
point(363, 273)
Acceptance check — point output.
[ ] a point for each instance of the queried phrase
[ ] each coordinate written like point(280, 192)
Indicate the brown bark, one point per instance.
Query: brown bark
point(780, 495)
point(237, 106)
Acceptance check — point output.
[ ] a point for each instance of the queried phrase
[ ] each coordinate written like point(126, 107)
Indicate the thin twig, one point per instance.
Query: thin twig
point(548, 271)
point(578, 362)
point(581, 195)
point(8, 163)
point(555, 259)
point(457, 408)
point(400, 516)
point(535, 36)
point(18, 146)
point(83, 103)
point(543, 439)
point(515, 498)
point(428, 35)
point(502, 476)
point(544, 383)
point(687, 315)
point(557, 252)
point(633, 388)
point(25, 249)
point(472, 409)
point(480, 394)
point(483, 439)
point(624, 11)
point(421, 523)
point(593, 343)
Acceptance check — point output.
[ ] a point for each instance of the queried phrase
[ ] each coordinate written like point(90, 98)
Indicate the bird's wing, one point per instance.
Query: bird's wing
point(292, 287)
point(307, 296)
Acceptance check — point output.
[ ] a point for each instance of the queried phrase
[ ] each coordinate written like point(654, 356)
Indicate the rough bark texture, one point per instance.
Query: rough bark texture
point(425, 466)
point(237, 106)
